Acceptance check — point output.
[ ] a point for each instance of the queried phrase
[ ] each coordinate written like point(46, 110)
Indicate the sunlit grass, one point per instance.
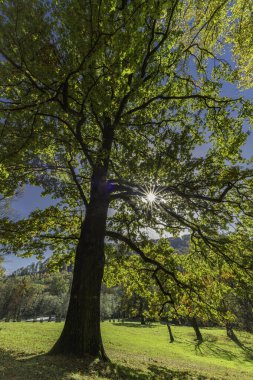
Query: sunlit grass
point(136, 352)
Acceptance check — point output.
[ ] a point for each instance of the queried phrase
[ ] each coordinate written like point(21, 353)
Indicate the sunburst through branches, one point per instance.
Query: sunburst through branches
point(152, 196)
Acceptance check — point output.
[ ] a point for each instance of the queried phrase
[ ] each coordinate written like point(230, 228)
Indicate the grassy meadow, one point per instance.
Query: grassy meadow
point(136, 352)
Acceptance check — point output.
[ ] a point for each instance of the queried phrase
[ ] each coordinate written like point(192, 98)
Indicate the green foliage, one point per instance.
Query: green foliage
point(131, 90)
point(34, 295)
point(191, 286)
point(135, 66)
point(110, 303)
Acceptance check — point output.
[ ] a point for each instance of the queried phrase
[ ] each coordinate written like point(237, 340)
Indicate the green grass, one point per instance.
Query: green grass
point(136, 352)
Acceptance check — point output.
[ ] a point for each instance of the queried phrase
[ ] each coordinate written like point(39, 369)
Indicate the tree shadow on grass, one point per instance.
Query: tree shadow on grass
point(167, 374)
point(223, 353)
point(248, 351)
point(249, 355)
point(45, 367)
point(198, 346)
point(217, 352)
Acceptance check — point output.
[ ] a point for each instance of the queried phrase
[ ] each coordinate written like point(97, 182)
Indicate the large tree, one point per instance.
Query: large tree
point(105, 105)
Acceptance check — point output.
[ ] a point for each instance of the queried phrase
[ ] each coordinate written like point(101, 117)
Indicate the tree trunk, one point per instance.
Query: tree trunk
point(142, 320)
point(170, 332)
point(231, 334)
point(197, 330)
point(81, 334)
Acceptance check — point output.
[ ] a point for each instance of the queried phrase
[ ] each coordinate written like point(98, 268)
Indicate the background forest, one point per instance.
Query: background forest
point(34, 292)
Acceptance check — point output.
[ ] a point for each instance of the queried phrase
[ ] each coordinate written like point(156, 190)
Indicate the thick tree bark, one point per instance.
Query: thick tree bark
point(81, 334)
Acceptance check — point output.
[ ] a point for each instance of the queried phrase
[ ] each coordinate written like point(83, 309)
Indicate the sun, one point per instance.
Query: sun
point(151, 197)
point(152, 194)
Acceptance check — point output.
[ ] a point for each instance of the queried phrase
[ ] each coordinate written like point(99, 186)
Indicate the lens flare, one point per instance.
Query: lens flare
point(151, 197)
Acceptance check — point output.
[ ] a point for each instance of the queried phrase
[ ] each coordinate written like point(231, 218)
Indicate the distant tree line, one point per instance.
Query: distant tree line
point(34, 295)
point(34, 291)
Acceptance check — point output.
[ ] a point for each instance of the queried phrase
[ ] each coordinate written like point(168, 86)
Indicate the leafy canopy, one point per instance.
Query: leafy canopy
point(151, 71)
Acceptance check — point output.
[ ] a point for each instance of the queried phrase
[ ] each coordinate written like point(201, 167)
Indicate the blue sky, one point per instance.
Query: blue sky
point(21, 207)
